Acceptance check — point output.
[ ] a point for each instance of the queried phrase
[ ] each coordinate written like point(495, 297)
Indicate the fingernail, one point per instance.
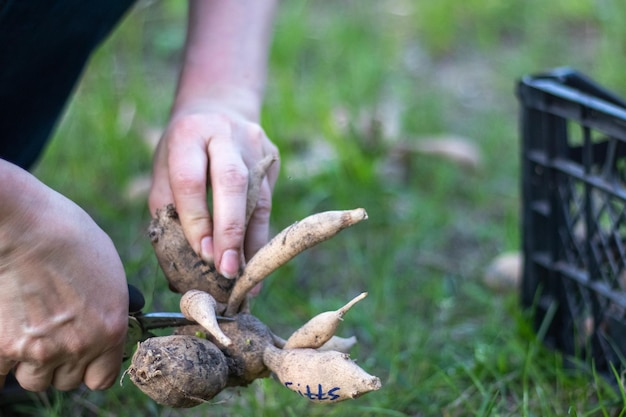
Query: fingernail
point(229, 266)
point(206, 249)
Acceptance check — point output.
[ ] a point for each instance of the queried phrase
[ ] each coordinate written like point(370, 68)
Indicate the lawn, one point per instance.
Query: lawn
point(352, 84)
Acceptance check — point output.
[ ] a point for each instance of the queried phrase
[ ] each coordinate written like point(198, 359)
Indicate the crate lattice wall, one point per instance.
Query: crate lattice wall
point(574, 214)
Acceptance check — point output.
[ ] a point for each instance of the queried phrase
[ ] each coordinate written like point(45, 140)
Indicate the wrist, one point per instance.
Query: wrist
point(19, 191)
point(221, 98)
point(23, 199)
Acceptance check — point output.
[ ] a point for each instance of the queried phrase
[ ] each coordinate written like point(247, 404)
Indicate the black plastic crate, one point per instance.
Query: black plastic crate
point(574, 214)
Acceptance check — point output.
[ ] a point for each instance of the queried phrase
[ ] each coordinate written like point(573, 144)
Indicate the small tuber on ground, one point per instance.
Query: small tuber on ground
point(199, 361)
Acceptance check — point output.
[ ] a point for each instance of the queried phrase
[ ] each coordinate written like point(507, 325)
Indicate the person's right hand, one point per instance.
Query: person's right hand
point(63, 292)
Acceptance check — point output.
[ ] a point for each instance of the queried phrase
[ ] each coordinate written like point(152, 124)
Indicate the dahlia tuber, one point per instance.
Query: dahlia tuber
point(250, 337)
point(320, 376)
point(179, 371)
point(184, 269)
point(287, 244)
point(199, 306)
point(339, 344)
point(320, 328)
point(196, 363)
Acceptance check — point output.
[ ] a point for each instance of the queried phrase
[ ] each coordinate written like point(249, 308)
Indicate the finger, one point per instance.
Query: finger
point(34, 377)
point(256, 289)
point(68, 376)
point(229, 180)
point(258, 230)
point(160, 191)
point(188, 164)
point(102, 372)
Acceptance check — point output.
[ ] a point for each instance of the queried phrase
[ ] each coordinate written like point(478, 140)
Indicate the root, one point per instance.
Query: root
point(287, 244)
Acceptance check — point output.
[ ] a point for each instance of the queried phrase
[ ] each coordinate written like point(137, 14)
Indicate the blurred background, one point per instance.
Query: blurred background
point(405, 108)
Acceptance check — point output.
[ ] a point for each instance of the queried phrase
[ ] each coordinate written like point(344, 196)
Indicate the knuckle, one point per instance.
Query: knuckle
point(184, 126)
point(263, 209)
point(235, 231)
point(192, 125)
point(221, 121)
point(256, 133)
point(112, 329)
point(255, 130)
point(77, 347)
point(115, 330)
point(233, 178)
point(39, 353)
point(186, 183)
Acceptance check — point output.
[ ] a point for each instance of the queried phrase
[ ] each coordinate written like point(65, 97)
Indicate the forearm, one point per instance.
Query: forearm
point(213, 137)
point(226, 54)
point(30, 211)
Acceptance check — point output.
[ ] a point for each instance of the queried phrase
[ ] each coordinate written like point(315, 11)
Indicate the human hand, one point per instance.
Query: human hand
point(63, 292)
point(209, 145)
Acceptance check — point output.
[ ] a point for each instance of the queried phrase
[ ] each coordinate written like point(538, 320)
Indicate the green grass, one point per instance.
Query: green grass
point(357, 77)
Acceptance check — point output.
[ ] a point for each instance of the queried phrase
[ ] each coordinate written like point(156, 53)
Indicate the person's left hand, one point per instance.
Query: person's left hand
point(202, 148)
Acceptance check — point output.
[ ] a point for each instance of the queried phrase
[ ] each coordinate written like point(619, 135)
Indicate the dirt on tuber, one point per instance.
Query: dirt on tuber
point(183, 268)
point(179, 371)
point(250, 337)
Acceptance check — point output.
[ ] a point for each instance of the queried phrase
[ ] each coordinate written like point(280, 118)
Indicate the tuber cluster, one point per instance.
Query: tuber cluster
point(196, 363)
